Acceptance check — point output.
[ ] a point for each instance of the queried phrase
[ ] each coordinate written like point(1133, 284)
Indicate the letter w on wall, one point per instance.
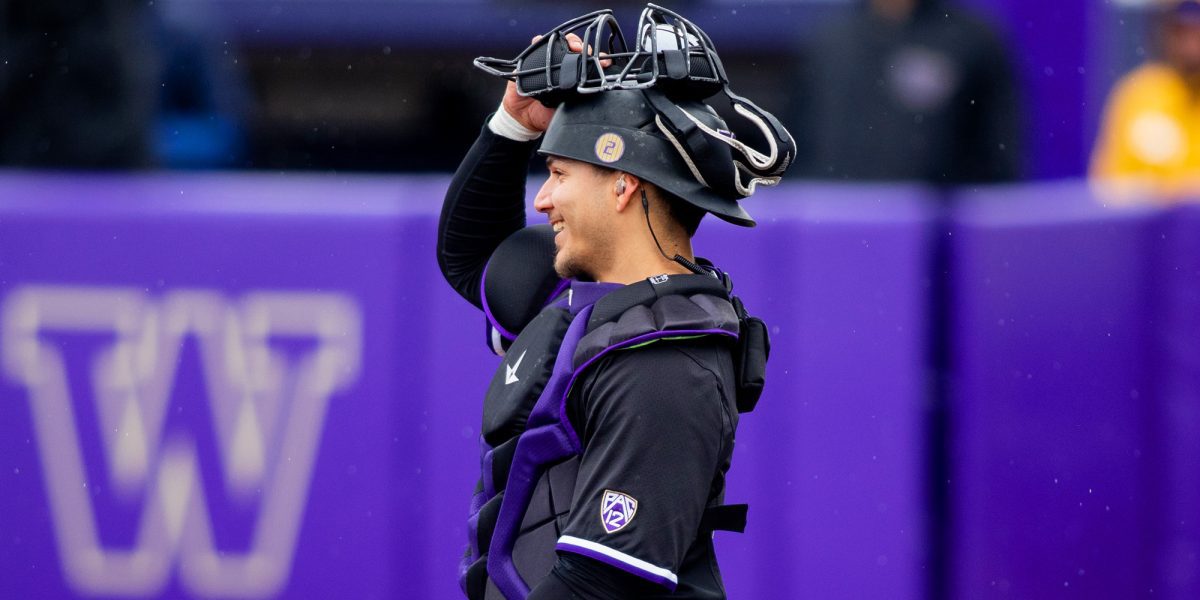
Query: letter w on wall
point(267, 408)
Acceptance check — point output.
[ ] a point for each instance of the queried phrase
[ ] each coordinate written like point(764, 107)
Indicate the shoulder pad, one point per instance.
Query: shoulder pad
point(519, 279)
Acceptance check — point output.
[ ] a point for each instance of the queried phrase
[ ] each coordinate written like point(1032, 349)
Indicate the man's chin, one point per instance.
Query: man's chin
point(570, 269)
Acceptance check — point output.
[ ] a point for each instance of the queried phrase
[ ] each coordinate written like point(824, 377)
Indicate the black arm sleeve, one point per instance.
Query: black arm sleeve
point(580, 578)
point(484, 205)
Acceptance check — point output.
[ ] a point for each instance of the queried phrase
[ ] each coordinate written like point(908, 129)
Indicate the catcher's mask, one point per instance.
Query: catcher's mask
point(670, 52)
point(675, 67)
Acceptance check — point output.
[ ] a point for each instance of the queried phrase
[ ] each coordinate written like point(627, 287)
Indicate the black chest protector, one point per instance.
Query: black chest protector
point(530, 450)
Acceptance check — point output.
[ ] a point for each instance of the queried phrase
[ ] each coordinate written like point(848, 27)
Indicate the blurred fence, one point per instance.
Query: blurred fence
point(256, 385)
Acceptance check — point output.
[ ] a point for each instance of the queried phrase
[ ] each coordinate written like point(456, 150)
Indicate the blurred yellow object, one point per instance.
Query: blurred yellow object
point(1149, 143)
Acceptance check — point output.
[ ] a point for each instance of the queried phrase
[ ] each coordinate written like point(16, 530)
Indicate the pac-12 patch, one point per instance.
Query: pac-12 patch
point(617, 510)
point(610, 147)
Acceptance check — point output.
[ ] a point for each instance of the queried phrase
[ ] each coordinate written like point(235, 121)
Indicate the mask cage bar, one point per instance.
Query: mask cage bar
point(594, 25)
point(653, 16)
point(638, 69)
point(494, 66)
point(605, 81)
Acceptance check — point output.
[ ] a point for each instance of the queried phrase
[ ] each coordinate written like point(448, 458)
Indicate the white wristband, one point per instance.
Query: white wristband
point(504, 125)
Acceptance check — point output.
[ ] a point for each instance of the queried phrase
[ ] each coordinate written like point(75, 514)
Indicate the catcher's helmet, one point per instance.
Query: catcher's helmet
point(683, 147)
point(641, 111)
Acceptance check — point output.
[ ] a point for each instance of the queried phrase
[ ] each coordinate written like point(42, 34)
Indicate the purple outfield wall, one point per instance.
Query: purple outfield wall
point(1074, 412)
point(258, 386)
point(186, 356)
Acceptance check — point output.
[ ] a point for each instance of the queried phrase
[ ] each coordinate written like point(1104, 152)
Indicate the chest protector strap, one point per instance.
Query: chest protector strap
point(546, 441)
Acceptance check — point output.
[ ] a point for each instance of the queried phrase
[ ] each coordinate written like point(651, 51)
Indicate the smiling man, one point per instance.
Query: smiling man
point(609, 427)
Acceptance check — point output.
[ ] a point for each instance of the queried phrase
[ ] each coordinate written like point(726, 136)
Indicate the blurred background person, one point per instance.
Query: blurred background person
point(1149, 141)
point(77, 84)
point(205, 97)
point(115, 84)
point(907, 90)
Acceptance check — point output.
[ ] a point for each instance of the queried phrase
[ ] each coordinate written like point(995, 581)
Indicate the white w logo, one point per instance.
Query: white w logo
point(267, 413)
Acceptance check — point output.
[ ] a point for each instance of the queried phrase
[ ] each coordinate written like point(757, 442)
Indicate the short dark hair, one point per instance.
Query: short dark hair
point(685, 213)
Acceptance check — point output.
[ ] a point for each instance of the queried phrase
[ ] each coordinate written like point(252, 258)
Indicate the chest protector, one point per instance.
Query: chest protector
point(530, 449)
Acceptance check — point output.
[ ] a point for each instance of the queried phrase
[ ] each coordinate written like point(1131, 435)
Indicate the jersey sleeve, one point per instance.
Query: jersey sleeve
point(484, 205)
point(656, 427)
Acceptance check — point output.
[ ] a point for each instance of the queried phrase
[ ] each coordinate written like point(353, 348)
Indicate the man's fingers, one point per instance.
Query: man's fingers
point(574, 42)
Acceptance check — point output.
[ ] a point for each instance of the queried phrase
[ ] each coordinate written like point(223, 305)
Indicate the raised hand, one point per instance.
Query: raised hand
point(529, 112)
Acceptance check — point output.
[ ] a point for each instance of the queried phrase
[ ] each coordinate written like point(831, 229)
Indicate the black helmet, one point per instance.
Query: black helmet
point(683, 147)
point(642, 111)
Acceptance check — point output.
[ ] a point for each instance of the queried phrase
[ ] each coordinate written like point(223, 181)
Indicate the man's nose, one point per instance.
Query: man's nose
point(541, 202)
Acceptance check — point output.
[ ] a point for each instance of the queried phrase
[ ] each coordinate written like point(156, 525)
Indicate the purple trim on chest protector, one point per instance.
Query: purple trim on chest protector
point(561, 414)
point(584, 294)
point(536, 447)
point(549, 437)
point(563, 284)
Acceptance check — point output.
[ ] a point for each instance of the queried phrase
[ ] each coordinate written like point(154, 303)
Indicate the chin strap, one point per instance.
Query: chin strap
point(687, 264)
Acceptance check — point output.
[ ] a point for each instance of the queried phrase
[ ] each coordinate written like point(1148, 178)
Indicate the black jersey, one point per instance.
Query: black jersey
point(657, 425)
point(656, 422)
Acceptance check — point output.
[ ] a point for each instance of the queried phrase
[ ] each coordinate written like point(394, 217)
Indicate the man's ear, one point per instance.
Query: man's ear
point(627, 189)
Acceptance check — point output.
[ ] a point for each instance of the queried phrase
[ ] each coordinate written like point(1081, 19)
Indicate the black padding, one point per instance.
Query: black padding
point(536, 61)
point(750, 360)
point(726, 517)
point(520, 277)
point(562, 478)
point(533, 553)
point(502, 457)
point(487, 522)
point(645, 293)
point(538, 512)
point(568, 75)
point(477, 579)
point(514, 391)
point(676, 63)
